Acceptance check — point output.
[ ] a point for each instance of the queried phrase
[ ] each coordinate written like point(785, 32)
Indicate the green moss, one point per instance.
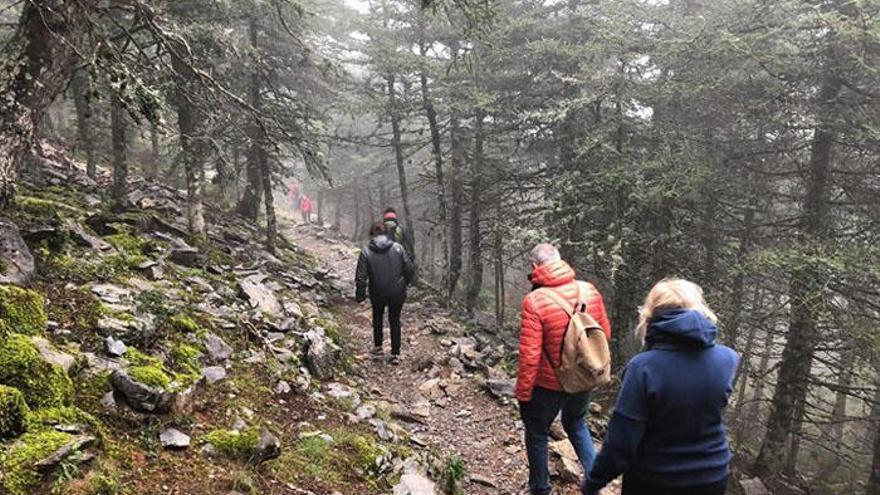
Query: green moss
point(151, 376)
point(331, 328)
point(22, 367)
point(63, 415)
point(21, 311)
point(233, 444)
point(184, 358)
point(350, 455)
point(127, 242)
point(186, 324)
point(13, 412)
point(20, 476)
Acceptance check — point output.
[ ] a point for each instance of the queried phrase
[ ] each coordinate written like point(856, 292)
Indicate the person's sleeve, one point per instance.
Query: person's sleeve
point(360, 279)
point(625, 432)
point(601, 315)
point(409, 270)
point(531, 341)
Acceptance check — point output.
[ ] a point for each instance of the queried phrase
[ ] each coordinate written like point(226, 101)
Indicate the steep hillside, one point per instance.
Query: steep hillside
point(138, 360)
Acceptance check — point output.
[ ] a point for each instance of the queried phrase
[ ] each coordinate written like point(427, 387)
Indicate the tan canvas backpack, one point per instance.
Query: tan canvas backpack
point(585, 359)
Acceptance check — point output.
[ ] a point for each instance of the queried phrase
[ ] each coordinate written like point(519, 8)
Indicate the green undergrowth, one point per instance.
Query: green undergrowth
point(14, 412)
point(349, 457)
point(22, 367)
point(21, 311)
point(233, 444)
point(65, 415)
point(20, 475)
point(154, 373)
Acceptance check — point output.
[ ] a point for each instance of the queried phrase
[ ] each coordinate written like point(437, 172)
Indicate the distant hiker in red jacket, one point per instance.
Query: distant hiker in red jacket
point(293, 195)
point(305, 207)
point(537, 389)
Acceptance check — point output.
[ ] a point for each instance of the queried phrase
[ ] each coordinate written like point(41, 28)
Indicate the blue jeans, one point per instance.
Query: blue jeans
point(538, 415)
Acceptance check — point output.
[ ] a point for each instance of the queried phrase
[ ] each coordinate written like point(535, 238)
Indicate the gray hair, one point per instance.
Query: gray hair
point(544, 253)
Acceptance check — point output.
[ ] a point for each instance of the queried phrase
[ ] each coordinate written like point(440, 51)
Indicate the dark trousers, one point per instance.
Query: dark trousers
point(538, 415)
point(394, 310)
point(635, 486)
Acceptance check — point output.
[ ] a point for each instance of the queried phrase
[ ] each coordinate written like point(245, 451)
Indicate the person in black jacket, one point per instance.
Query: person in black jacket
point(386, 269)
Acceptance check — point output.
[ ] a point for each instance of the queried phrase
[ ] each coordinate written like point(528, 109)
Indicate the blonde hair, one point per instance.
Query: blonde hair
point(672, 293)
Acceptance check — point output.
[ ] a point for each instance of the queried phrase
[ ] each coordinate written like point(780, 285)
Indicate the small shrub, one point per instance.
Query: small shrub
point(13, 412)
point(454, 472)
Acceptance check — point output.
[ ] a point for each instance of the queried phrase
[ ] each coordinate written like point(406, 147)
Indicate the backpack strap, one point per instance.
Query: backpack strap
point(565, 306)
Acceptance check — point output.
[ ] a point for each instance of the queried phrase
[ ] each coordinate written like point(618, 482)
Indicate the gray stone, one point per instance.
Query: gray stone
point(319, 355)
point(282, 387)
point(502, 388)
point(753, 486)
point(52, 355)
point(214, 374)
point(80, 236)
point(116, 348)
point(172, 439)
point(143, 398)
point(269, 447)
point(74, 445)
point(217, 348)
point(259, 296)
point(414, 484)
point(108, 403)
point(184, 255)
point(16, 260)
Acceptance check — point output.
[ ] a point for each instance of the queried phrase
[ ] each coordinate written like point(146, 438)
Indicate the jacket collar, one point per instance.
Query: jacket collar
point(552, 274)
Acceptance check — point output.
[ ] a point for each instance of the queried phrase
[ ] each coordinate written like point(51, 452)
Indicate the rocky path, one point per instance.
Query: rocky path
point(439, 391)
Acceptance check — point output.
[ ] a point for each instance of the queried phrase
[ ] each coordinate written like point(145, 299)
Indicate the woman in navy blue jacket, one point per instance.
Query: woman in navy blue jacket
point(667, 435)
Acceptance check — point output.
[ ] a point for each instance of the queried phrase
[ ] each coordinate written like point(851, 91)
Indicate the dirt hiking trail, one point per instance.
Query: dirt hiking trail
point(438, 392)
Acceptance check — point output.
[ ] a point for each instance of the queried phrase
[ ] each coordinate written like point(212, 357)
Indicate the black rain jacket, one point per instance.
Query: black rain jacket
point(386, 269)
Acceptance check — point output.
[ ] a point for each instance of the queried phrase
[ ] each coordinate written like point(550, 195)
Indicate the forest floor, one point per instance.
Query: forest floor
point(457, 416)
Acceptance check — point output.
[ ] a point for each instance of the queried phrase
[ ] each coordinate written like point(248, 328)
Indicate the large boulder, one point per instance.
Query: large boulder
point(151, 398)
point(82, 237)
point(319, 355)
point(23, 367)
point(259, 296)
point(16, 260)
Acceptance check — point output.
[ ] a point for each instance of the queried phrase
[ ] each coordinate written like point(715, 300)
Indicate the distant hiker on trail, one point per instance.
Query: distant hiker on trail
point(305, 207)
point(386, 269)
point(398, 233)
point(293, 195)
point(667, 434)
point(538, 390)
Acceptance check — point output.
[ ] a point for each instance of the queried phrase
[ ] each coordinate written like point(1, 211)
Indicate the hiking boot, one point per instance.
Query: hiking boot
point(394, 360)
point(377, 353)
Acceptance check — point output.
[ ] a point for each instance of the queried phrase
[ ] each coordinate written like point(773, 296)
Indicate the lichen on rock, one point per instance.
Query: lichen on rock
point(22, 366)
point(13, 412)
point(21, 311)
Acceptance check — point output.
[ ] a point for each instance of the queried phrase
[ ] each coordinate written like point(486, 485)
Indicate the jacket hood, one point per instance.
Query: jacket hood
point(552, 274)
point(681, 328)
point(380, 244)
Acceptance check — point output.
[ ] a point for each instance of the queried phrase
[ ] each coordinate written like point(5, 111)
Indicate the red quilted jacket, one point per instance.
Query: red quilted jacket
point(544, 324)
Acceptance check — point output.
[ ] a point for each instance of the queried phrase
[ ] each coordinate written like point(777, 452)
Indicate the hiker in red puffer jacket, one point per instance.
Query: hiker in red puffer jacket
point(537, 389)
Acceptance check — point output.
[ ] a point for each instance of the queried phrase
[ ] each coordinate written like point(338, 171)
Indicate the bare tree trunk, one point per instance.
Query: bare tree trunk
point(475, 278)
point(743, 372)
point(498, 249)
point(320, 207)
point(436, 151)
point(792, 387)
point(874, 480)
point(191, 123)
point(337, 210)
point(455, 230)
point(153, 165)
point(82, 92)
point(355, 232)
point(249, 205)
point(39, 59)
point(271, 221)
point(834, 428)
point(119, 146)
point(398, 155)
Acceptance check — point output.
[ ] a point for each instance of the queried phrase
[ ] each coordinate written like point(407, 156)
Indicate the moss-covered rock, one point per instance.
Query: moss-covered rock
point(22, 367)
point(21, 311)
point(20, 475)
point(233, 444)
point(64, 415)
point(13, 412)
point(151, 376)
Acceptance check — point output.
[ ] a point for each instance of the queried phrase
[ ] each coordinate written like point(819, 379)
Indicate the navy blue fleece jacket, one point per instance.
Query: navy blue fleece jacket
point(668, 428)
